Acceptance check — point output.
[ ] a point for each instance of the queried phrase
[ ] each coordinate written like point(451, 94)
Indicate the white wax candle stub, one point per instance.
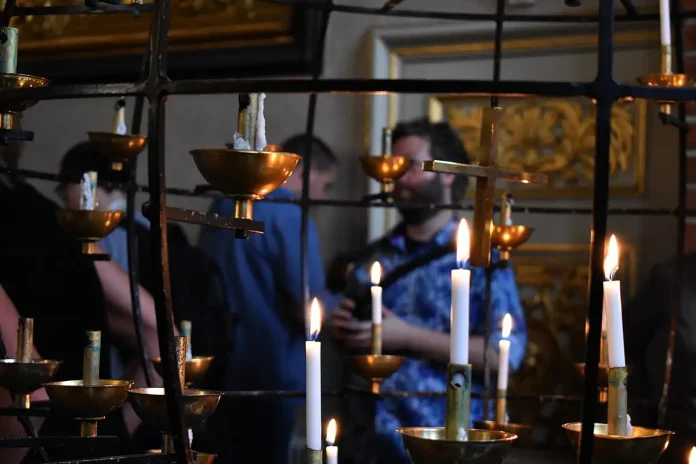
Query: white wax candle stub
point(313, 360)
point(376, 291)
point(462, 434)
point(261, 125)
point(190, 435)
point(240, 143)
point(665, 30)
point(332, 455)
point(612, 298)
point(331, 450)
point(120, 127)
point(88, 191)
point(629, 427)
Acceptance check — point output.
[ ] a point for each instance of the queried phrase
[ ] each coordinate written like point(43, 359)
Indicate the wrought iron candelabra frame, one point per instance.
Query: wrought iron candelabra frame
point(155, 86)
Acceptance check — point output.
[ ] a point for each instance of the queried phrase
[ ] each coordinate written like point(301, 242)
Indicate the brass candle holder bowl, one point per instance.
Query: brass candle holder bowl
point(666, 80)
point(9, 108)
point(87, 403)
point(199, 458)
point(427, 445)
point(376, 367)
point(89, 226)
point(117, 148)
point(523, 431)
point(645, 446)
point(196, 368)
point(507, 238)
point(23, 379)
point(385, 169)
point(151, 406)
point(245, 175)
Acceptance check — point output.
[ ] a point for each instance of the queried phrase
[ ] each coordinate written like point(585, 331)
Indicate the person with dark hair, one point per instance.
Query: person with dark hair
point(262, 279)
point(416, 320)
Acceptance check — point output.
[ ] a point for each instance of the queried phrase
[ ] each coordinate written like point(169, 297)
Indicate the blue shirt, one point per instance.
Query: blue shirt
point(423, 298)
point(116, 243)
point(262, 280)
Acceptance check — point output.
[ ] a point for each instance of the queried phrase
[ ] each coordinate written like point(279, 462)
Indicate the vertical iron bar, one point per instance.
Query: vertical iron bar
point(7, 13)
point(676, 302)
point(605, 94)
point(498, 50)
point(158, 230)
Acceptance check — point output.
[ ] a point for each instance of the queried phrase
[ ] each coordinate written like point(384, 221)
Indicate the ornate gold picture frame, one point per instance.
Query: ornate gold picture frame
point(556, 137)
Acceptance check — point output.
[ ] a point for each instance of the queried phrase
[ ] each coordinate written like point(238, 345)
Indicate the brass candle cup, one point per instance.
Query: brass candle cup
point(89, 226)
point(151, 406)
point(664, 79)
point(23, 379)
point(385, 169)
point(427, 445)
point(508, 238)
point(87, 403)
point(523, 431)
point(9, 108)
point(313, 456)
point(376, 367)
point(644, 446)
point(245, 175)
point(196, 368)
point(200, 458)
point(117, 148)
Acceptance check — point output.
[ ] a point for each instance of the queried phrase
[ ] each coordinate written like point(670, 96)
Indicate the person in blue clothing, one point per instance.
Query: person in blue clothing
point(416, 317)
point(262, 279)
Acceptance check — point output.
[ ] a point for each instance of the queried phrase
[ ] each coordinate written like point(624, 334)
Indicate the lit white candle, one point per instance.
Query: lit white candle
point(461, 282)
point(376, 290)
point(504, 354)
point(331, 450)
point(313, 354)
point(692, 456)
point(665, 30)
point(612, 299)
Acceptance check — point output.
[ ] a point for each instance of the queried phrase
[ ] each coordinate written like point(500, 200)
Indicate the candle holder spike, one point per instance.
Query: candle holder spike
point(89, 226)
point(118, 149)
point(87, 403)
point(196, 368)
point(644, 446)
point(428, 445)
point(376, 368)
point(22, 379)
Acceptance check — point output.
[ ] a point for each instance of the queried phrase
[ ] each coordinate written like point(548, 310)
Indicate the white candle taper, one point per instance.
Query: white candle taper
point(313, 355)
point(331, 450)
point(504, 354)
point(376, 291)
point(665, 30)
point(612, 298)
point(461, 282)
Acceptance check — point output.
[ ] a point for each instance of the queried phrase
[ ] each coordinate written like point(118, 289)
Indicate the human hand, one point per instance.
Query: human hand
point(346, 329)
point(395, 331)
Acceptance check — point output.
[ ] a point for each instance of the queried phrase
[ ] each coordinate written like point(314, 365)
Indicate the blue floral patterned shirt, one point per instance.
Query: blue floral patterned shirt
point(423, 298)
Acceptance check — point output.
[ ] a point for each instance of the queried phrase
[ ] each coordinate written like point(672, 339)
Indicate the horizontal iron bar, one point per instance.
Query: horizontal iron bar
point(31, 412)
point(30, 442)
point(81, 9)
point(58, 92)
point(213, 220)
point(657, 93)
point(133, 459)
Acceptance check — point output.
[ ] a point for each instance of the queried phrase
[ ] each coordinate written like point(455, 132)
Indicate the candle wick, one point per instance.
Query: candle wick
point(612, 274)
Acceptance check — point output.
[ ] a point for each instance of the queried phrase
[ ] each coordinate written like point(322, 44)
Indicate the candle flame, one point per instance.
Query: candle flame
point(611, 262)
point(331, 432)
point(463, 242)
point(692, 456)
point(507, 325)
point(314, 319)
point(376, 273)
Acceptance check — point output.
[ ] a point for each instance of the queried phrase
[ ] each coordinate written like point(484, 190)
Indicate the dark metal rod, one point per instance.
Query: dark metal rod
point(29, 442)
point(8, 12)
point(81, 9)
point(133, 459)
point(600, 202)
point(31, 431)
point(498, 50)
point(390, 5)
point(676, 296)
point(31, 412)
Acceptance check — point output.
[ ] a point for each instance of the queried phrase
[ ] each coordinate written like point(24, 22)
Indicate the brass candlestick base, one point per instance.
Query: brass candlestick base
point(89, 226)
point(376, 368)
point(644, 446)
point(313, 456)
point(245, 175)
point(458, 401)
point(196, 368)
point(87, 403)
point(428, 445)
point(664, 79)
point(150, 405)
point(523, 431)
point(199, 458)
point(23, 379)
point(507, 238)
point(8, 109)
point(117, 148)
point(385, 169)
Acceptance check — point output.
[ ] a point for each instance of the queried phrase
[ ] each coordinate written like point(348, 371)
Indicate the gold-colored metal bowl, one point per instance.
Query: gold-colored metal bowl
point(150, 405)
point(376, 367)
point(201, 458)
point(645, 446)
point(427, 445)
point(89, 226)
point(523, 431)
point(22, 378)
point(117, 148)
point(12, 81)
point(602, 374)
point(245, 173)
point(196, 368)
point(507, 238)
point(87, 402)
point(385, 169)
point(666, 80)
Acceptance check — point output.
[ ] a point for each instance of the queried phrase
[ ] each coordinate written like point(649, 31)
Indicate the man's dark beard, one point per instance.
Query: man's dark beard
point(432, 192)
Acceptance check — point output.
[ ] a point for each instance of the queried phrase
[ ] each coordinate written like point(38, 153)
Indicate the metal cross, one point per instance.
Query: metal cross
point(486, 173)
